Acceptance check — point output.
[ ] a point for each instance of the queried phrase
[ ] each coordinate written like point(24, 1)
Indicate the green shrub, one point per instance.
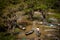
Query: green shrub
point(8, 37)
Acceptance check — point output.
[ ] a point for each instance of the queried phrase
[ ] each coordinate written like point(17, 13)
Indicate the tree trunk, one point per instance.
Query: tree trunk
point(31, 15)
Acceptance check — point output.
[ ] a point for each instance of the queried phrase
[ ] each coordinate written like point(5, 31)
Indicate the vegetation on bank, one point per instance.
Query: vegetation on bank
point(9, 7)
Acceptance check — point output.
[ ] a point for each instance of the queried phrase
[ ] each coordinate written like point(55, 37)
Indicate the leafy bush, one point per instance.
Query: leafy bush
point(8, 37)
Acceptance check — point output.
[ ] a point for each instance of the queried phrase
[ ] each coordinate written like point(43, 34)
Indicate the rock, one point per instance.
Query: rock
point(49, 30)
point(58, 24)
point(53, 19)
point(40, 23)
point(21, 27)
point(51, 25)
point(49, 35)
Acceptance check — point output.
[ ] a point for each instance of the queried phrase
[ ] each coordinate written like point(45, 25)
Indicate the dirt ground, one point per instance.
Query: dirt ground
point(33, 35)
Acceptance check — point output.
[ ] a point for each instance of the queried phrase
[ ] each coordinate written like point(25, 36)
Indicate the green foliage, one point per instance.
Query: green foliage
point(17, 30)
point(27, 6)
point(3, 3)
point(43, 7)
point(14, 1)
point(30, 4)
point(8, 37)
point(57, 15)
